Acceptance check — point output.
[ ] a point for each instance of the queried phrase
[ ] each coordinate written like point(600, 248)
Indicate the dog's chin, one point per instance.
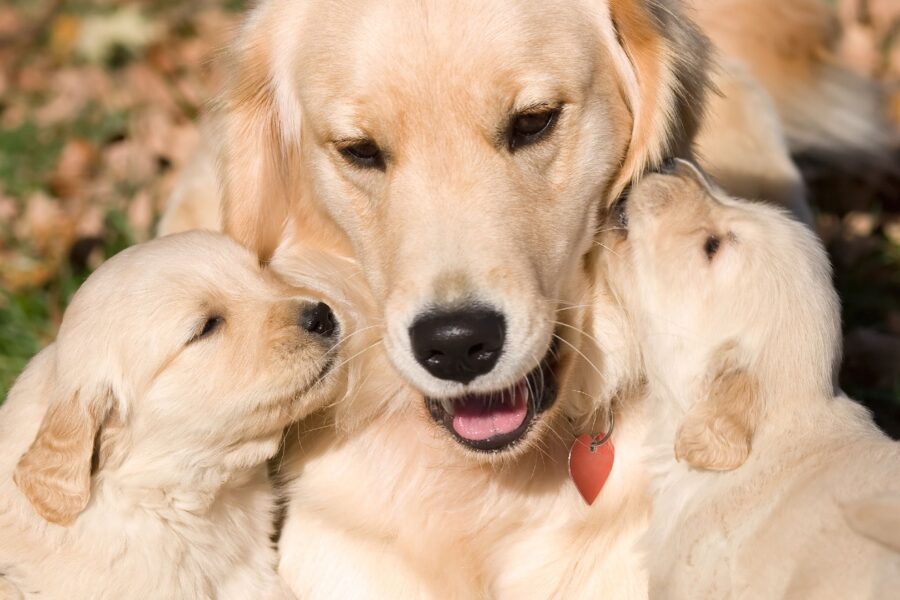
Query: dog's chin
point(501, 421)
point(310, 394)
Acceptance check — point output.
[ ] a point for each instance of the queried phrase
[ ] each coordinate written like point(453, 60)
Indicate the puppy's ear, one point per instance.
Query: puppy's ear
point(717, 432)
point(260, 132)
point(55, 472)
point(662, 61)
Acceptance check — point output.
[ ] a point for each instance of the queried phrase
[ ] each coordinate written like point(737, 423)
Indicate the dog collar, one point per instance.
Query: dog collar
point(591, 461)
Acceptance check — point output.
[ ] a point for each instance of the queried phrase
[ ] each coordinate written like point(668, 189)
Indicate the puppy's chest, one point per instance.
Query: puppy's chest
point(168, 553)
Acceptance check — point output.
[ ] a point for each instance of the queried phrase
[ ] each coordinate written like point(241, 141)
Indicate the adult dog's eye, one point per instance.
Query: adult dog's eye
point(210, 326)
point(711, 246)
point(531, 126)
point(364, 153)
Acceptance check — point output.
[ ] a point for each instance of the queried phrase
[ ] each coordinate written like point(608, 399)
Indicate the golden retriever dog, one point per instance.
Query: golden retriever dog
point(756, 456)
point(465, 152)
point(133, 449)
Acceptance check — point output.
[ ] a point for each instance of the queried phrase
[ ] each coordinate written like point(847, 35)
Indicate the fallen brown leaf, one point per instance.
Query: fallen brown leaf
point(76, 164)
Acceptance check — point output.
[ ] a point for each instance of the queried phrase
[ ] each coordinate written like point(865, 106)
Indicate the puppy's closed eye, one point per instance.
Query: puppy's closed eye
point(210, 326)
point(711, 246)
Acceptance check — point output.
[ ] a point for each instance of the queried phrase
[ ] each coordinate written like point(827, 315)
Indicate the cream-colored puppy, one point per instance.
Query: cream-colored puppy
point(132, 461)
point(758, 461)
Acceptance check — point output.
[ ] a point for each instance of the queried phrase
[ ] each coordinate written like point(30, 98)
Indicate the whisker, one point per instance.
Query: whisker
point(347, 337)
point(580, 353)
point(575, 306)
point(366, 349)
point(608, 249)
point(582, 332)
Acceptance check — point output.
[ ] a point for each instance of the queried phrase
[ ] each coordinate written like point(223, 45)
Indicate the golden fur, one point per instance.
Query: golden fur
point(768, 482)
point(381, 505)
point(454, 214)
point(132, 461)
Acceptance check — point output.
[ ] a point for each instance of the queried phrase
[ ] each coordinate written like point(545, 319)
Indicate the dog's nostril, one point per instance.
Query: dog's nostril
point(458, 345)
point(318, 319)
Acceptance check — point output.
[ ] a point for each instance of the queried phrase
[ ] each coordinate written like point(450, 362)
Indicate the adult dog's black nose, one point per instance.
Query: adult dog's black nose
point(318, 319)
point(458, 345)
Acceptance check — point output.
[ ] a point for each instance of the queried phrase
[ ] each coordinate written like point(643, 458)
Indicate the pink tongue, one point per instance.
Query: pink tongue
point(475, 421)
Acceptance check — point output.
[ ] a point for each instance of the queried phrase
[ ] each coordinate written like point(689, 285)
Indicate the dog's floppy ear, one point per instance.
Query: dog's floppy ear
point(260, 128)
point(55, 472)
point(717, 431)
point(662, 61)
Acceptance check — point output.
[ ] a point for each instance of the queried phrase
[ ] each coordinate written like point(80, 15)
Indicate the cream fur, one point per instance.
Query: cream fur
point(754, 454)
point(175, 501)
point(393, 506)
point(382, 506)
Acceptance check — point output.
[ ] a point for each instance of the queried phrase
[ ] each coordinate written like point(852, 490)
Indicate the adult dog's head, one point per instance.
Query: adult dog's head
point(464, 151)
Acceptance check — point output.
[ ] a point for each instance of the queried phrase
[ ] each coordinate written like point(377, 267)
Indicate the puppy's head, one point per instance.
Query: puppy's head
point(187, 350)
point(732, 302)
point(464, 151)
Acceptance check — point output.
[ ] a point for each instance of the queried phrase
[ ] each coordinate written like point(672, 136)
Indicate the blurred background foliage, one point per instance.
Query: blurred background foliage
point(98, 107)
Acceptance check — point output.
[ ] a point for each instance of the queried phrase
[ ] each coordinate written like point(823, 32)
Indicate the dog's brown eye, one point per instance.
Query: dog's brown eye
point(211, 325)
point(529, 127)
point(711, 246)
point(364, 153)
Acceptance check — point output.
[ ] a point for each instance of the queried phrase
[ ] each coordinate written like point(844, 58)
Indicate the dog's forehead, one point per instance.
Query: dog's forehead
point(429, 51)
point(158, 278)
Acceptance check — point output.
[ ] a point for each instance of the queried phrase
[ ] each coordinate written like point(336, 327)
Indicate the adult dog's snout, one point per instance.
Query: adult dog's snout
point(459, 345)
point(318, 319)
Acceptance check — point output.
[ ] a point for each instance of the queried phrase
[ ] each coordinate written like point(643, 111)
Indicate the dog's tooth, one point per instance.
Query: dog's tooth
point(448, 406)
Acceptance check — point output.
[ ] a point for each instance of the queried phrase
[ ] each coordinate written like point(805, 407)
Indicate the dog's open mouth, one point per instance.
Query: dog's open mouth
point(497, 420)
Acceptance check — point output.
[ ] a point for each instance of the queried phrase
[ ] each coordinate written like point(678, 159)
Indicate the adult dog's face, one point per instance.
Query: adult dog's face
point(466, 166)
point(464, 149)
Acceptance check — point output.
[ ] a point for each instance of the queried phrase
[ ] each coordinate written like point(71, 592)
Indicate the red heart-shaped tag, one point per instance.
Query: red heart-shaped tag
point(590, 464)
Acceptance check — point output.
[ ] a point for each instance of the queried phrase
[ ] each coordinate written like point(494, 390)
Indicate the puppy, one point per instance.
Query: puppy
point(758, 461)
point(133, 449)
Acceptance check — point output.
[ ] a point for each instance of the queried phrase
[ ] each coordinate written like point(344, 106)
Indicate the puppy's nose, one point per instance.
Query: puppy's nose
point(459, 345)
point(318, 319)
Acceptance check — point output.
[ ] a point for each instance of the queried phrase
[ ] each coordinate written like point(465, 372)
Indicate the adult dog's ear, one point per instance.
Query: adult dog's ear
point(717, 431)
point(662, 61)
point(55, 472)
point(260, 122)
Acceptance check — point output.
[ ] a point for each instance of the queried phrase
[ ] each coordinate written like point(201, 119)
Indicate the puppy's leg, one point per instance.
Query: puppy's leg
point(742, 145)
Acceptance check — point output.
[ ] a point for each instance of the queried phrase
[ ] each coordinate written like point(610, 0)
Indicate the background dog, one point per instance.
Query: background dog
point(739, 329)
point(133, 451)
